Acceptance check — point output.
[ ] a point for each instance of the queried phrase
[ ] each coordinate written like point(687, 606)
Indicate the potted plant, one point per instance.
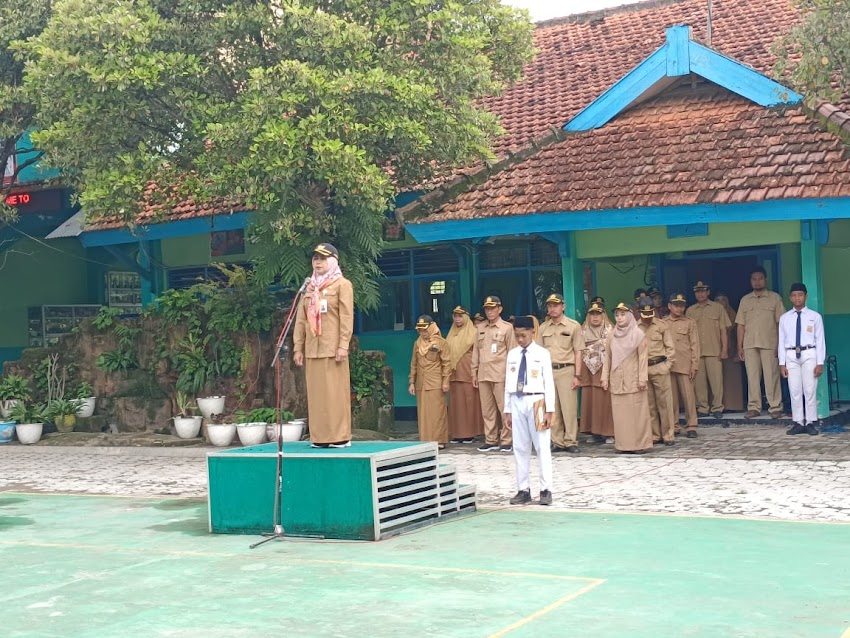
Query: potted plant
point(251, 426)
point(291, 429)
point(85, 395)
point(64, 413)
point(220, 434)
point(209, 405)
point(13, 388)
point(30, 421)
point(186, 424)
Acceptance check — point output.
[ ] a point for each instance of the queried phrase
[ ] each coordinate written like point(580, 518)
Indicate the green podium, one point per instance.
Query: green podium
point(369, 491)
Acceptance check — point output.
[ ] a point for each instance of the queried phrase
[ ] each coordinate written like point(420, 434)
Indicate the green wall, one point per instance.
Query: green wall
point(596, 244)
point(32, 274)
point(398, 347)
point(194, 250)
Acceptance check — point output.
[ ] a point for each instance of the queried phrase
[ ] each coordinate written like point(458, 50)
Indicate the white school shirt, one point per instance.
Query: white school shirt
point(811, 334)
point(539, 379)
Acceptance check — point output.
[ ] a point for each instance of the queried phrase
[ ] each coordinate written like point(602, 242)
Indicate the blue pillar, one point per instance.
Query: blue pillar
point(813, 235)
point(572, 273)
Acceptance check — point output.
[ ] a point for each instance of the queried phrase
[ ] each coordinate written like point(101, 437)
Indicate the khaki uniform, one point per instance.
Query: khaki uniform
point(661, 354)
point(328, 381)
point(489, 361)
point(564, 341)
point(712, 320)
point(760, 314)
point(629, 404)
point(686, 344)
point(428, 374)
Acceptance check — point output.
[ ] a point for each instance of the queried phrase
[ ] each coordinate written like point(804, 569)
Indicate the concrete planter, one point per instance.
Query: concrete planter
point(7, 431)
point(187, 427)
point(210, 405)
point(221, 434)
point(251, 433)
point(29, 433)
point(86, 407)
point(292, 431)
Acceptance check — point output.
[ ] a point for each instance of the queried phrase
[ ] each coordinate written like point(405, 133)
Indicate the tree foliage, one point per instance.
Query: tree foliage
point(815, 54)
point(312, 113)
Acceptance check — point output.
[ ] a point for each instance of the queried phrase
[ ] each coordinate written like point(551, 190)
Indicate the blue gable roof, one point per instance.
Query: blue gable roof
point(677, 57)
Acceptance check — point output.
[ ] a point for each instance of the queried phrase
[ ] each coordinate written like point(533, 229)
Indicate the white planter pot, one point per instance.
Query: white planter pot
point(6, 407)
point(221, 434)
point(210, 405)
point(292, 431)
point(86, 407)
point(29, 433)
point(251, 433)
point(187, 427)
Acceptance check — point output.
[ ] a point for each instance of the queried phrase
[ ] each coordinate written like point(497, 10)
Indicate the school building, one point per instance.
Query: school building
point(638, 150)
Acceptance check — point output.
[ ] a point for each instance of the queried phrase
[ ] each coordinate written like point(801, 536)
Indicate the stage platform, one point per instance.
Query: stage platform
point(369, 491)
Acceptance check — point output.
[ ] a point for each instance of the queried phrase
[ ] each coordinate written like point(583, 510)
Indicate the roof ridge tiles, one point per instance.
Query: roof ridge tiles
point(591, 16)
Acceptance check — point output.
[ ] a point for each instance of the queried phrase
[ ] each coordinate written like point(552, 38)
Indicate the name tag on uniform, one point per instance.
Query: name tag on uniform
point(810, 329)
point(323, 306)
point(535, 373)
point(494, 348)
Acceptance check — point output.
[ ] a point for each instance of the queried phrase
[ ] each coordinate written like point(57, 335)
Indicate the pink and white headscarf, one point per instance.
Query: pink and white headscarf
point(317, 284)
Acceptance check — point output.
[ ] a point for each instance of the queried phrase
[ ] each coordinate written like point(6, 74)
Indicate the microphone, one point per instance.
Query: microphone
point(304, 285)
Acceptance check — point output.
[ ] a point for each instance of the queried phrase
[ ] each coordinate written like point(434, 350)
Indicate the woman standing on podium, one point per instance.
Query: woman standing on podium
point(323, 329)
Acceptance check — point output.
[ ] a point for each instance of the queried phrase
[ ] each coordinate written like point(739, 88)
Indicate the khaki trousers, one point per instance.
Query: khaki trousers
point(683, 390)
point(710, 374)
point(661, 403)
point(762, 361)
point(492, 397)
point(565, 425)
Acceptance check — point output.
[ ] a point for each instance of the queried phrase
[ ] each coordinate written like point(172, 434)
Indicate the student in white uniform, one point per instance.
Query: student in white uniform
point(802, 350)
point(529, 379)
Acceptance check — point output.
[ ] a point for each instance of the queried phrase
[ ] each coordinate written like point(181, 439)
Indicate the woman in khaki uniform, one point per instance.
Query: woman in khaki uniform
point(323, 329)
point(429, 381)
point(465, 420)
point(733, 386)
point(625, 375)
point(596, 416)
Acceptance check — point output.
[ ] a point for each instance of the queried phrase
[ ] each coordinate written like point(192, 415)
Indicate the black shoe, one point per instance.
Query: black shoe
point(545, 497)
point(670, 442)
point(522, 497)
point(572, 449)
point(506, 448)
point(703, 415)
point(811, 429)
point(456, 440)
point(320, 445)
point(556, 449)
point(797, 428)
point(488, 447)
point(469, 440)
point(717, 415)
point(691, 434)
point(598, 438)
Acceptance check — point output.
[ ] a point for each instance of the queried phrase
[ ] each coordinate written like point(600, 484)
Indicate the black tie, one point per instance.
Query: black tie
point(520, 380)
point(797, 333)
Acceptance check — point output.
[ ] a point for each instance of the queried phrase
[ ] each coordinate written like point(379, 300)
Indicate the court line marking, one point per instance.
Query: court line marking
point(547, 609)
point(316, 561)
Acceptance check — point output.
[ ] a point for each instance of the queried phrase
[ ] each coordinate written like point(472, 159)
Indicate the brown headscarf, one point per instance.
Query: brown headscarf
point(625, 341)
point(460, 340)
point(424, 342)
point(594, 338)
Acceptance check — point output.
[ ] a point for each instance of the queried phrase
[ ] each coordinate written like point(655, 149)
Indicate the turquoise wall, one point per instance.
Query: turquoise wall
point(398, 347)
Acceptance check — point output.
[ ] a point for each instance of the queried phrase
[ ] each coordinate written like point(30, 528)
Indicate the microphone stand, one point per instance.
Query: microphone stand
point(281, 350)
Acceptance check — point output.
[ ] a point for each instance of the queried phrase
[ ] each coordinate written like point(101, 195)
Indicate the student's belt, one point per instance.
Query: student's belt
point(799, 349)
point(656, 360)
point(558, 366)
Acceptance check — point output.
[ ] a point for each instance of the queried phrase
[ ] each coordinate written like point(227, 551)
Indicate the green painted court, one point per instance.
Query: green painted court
point(103, 567)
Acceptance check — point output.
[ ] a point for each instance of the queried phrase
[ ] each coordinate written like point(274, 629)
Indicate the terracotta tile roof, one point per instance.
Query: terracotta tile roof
point(155, 214)
point(686, 146)
point(580, 57)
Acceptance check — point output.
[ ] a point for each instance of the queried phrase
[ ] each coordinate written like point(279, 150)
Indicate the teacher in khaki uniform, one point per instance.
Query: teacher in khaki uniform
point(712, 326)
point(660, 357)
point(564, 340)
point(489, 361)
point(758, 328)
point(323, 329)
point(686, 364)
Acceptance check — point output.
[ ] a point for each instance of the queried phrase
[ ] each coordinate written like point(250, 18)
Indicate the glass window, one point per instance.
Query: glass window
point(544, 283)
point(437, 297)
point(393, 311)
